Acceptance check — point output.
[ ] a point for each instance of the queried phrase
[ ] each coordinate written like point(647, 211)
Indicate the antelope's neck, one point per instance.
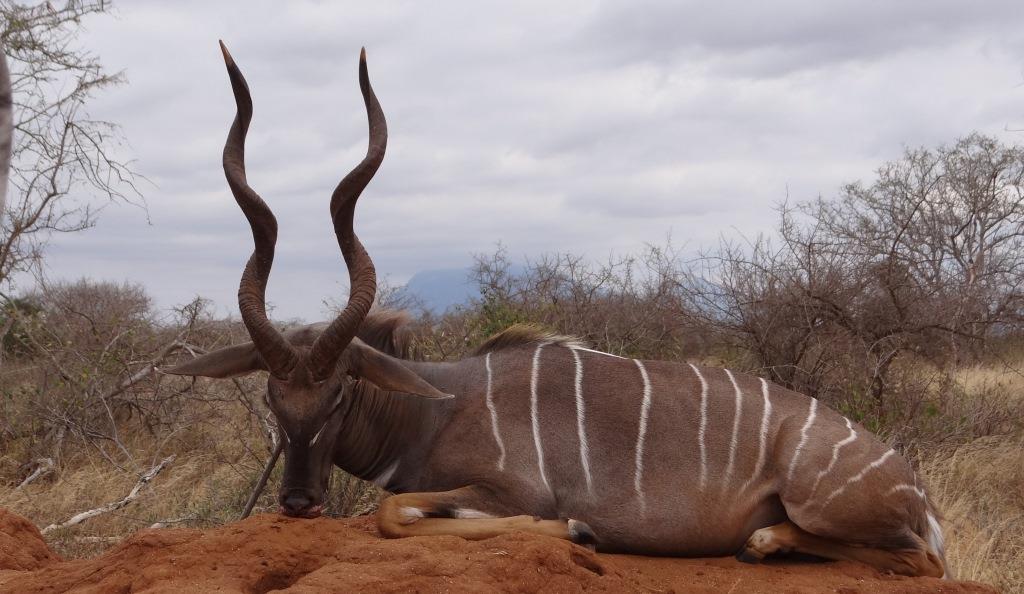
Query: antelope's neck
point(385, 436)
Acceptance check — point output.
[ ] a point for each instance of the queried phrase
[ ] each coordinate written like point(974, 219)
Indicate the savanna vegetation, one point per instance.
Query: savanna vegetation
point(897, 300)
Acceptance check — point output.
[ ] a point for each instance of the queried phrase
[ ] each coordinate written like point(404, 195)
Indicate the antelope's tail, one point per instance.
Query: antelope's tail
point(931, 532)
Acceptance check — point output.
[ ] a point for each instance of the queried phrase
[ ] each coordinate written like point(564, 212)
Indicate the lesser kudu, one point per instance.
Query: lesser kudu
point(535, 432)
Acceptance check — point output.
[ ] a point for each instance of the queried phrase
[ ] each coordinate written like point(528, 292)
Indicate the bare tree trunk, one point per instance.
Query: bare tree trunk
point(6, 129)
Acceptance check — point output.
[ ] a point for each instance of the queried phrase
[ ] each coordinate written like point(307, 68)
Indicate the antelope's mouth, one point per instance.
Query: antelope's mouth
point(313, 512)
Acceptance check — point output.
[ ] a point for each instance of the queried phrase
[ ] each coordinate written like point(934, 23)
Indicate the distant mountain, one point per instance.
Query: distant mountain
point(440, 289)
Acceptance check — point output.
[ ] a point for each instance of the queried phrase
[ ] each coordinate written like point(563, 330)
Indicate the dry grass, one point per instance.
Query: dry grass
point(207, 485)
point(204, 486)
point(1005, 377)
point(979, 487)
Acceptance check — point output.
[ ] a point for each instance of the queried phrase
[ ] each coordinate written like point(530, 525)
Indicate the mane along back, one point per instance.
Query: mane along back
point(523, 335)
point(382, 329)
point(386, 331)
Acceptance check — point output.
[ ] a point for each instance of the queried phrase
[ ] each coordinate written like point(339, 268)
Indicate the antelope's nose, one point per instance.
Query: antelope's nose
point(297, 504)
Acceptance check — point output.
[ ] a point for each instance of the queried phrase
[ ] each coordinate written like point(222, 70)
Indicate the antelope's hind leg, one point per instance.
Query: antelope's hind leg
point(788, 537)
point(468, 512)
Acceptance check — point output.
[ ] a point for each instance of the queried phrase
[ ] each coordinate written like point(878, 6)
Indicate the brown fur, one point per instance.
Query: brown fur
point(386, 330)
point(382, 329)
point(788, 537)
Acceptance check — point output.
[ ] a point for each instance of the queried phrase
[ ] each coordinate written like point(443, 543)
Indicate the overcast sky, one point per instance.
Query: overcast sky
point(569, 126)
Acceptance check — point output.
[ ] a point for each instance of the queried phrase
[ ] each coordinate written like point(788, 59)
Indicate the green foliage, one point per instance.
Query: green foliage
point(496, 314)
point(16, 317)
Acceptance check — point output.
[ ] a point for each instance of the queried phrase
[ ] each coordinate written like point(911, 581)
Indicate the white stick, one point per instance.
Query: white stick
point(132, 496)
point(44, 466)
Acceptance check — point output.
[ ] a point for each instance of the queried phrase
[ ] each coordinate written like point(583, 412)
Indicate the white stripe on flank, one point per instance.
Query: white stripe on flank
point(735, 430)
point(579, 348)
point(762, 448)
point(803, 439)
point(835, 457)
point(860, 475)
point(534, 374)
point(914, 488)
point(645, 410)
point(703, 426)
point(494, 415)
point(580, 424)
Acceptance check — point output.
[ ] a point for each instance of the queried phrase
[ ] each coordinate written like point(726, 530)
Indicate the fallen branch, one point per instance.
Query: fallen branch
point(262, 482)
point(44, 466)
point(132, 496)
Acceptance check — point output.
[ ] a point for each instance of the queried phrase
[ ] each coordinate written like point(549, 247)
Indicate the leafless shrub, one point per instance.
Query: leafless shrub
point(61, 156)
point(87, 376)
point(628, 305)
point(922, 266)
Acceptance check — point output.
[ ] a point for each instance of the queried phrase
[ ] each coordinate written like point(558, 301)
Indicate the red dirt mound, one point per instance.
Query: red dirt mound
point(265, 553)
point(21, 545)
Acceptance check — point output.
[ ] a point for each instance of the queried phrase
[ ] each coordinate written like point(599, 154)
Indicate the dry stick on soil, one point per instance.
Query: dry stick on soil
point(43, 466)
point(132, 496)
point(262, 482)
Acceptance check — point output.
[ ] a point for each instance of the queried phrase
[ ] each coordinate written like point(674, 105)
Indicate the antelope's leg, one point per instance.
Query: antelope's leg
point(788, 537)
point(463, 512)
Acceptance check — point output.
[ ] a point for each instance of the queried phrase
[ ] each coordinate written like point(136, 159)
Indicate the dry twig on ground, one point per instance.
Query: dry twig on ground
point(132, 496)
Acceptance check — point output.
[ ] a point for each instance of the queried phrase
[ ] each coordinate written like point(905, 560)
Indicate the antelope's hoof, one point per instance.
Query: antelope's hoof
point(581, 533)
point(748, 555)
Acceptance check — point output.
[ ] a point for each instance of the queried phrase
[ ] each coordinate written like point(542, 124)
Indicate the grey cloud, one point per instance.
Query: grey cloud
point(572, 127)
point(778, 37)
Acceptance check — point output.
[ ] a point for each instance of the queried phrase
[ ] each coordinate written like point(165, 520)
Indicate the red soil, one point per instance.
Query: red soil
point(21, 544)
point(270, 552)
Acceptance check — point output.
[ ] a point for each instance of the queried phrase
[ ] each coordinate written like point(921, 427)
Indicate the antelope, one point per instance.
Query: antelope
point(536, 432)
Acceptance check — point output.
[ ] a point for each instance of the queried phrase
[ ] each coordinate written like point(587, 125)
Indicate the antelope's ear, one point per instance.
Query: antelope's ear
point(223, 363)
point(387, 372)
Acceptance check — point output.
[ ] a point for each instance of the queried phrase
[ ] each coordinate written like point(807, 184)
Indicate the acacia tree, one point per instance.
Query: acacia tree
point(944, 232)
point(924, 262)
point(62, 160)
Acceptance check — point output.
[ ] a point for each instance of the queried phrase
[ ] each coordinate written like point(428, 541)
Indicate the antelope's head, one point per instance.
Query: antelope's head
point(309, 382)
